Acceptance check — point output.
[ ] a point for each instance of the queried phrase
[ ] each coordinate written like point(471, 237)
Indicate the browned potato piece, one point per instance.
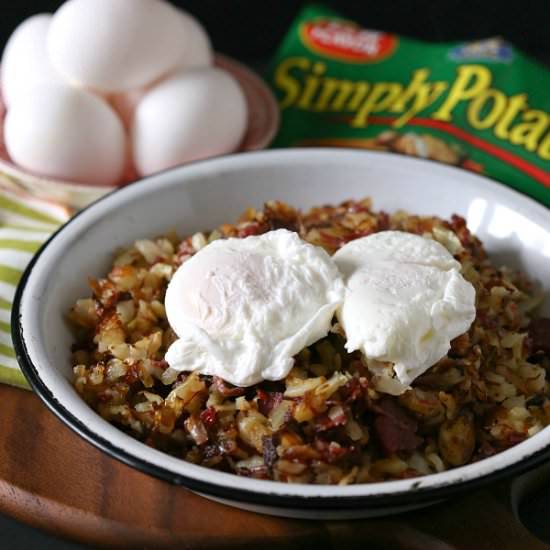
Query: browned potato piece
point(457, 439)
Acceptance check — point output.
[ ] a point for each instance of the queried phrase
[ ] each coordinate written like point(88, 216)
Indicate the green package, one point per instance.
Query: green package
point(483, 106)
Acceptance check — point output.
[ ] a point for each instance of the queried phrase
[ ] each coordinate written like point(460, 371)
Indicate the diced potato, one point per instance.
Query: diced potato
point(149, 250)
point(253, 427)
point(111, 333)
point(457, 439)
point(125, 277)
point(190, 393)
point(84, 313)
point(126, 310)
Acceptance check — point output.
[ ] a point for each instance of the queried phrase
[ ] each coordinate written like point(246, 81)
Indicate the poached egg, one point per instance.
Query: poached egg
point(405, 301)
point(242, 308)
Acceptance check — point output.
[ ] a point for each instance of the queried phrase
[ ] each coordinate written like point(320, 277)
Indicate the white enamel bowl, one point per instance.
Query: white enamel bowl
point(515, 230)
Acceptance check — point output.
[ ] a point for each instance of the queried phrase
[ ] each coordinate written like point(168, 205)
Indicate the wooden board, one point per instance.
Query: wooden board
point(52, 479)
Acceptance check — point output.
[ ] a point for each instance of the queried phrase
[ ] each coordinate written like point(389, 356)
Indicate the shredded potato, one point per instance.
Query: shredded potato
point(327, 422)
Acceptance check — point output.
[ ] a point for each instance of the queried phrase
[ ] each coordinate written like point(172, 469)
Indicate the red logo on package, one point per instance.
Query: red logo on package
point(347, 42)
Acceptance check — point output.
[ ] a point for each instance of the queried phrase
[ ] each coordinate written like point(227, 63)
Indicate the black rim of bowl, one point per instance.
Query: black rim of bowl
point(414, 496)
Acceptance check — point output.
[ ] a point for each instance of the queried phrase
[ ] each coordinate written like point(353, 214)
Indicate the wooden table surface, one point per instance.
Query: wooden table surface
point(52, 479)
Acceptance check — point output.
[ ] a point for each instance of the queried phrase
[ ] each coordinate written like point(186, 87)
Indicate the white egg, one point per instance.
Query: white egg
point(242, 308)
point(198, 53)
point(67, 133)
point(25, 63)
point(114, 45)
point(193, 115)
point(199, 49)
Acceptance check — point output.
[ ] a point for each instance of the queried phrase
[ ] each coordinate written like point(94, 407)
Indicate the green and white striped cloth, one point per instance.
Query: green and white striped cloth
point(25, 223)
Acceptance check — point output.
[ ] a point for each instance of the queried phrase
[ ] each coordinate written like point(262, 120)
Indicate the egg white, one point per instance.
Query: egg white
point(242, 308)
point(405, 301)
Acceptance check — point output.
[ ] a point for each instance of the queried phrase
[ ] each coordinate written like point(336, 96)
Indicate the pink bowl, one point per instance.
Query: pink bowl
point(263, 122)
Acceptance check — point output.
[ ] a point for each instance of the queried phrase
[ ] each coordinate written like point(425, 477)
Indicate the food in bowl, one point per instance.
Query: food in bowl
point(331, 419)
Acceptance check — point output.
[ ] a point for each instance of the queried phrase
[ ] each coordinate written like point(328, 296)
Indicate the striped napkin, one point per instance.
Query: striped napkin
point(25, 223)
